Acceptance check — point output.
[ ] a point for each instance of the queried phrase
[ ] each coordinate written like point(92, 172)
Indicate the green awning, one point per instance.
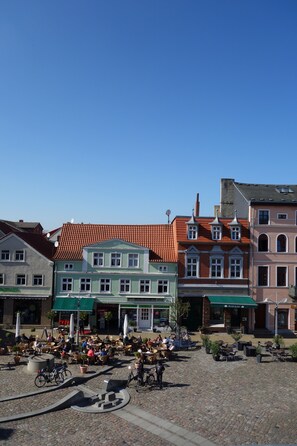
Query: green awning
point(233, 301)
point(71, 304)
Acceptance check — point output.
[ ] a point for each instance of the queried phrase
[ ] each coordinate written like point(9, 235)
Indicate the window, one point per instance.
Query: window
point(125, 286)
point(216, 267)
point(98, 259)
point(163, 269)
point(66, 284)
point(19, 255)
point(281, 243)
point(5, 255)
point(68, 266)
point(20, 279)
point(263, 276)
point(282, 216)
point(192, 266)
point(235, 268)
point(133, 260)
point(281, 276)
point(145, 314)
point(263, 217)
point(216, 232)
point(235, 233)
point(85, 284)
point(162, 286)
point(263, 243)
point(216, 315)
point(105, 286)
point(115, 259)
point(144, 286)
point(192, 232)
point(2, 279)
point(37, 280)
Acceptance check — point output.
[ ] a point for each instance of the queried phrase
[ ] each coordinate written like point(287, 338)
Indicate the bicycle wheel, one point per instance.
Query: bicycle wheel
point(40, 380)
point(67, 373)
point(150, 379)
point(59, 378)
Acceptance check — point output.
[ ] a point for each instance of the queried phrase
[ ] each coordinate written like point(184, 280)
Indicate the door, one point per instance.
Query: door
point(282, 319)
point(145, 318)
point(260, 316)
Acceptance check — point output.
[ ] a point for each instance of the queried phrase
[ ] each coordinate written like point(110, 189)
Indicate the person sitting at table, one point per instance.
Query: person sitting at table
point(91, 355)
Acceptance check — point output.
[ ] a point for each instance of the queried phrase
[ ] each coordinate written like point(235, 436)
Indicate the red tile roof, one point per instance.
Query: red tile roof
point(204, 230)
point(159, 239)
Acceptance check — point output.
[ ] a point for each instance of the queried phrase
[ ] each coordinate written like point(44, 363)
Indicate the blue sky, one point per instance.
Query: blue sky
point(115, 111)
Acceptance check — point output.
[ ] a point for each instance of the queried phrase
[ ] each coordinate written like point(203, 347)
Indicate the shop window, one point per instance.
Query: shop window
point(216, 315)
point(30, 311)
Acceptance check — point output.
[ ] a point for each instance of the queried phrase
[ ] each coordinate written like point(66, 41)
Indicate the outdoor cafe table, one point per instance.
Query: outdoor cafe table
point(249, 350)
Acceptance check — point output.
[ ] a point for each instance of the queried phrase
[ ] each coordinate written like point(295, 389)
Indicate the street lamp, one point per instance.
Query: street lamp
point(276, 303)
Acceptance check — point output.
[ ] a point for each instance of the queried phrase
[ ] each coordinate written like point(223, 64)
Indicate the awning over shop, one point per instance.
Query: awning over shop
point(71, 304)
point(232, 301)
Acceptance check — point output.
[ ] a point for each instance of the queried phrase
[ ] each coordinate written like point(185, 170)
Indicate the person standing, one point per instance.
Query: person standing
point(159, 372)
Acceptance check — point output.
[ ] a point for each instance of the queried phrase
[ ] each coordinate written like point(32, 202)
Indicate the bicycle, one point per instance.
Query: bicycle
point(45, 376)
point(63, 368)
point(146, 379)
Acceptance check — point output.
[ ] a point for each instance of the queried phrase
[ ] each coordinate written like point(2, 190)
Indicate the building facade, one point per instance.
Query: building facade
point(116, 270)
point(272, 213)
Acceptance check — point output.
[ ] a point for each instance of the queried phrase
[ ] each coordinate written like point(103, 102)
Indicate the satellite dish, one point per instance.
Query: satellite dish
point(72, 220)
point(56, 244)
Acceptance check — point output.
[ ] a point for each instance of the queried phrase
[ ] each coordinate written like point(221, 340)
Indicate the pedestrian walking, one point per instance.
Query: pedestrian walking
point(159, 372)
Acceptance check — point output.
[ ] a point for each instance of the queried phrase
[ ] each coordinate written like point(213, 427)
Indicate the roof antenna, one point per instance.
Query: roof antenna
point(168, 212)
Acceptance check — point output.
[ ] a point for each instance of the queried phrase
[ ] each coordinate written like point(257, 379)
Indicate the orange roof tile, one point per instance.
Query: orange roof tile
point(159, 239)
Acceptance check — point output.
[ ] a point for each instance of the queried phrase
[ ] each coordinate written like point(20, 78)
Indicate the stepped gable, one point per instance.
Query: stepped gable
point(204, 230)
point(159, 239)
point(268, 193)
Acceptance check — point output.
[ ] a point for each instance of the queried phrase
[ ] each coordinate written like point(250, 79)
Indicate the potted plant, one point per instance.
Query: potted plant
point(258, 354)
point(83, 365)
point(215, 350)
point(293, 351)
point(278, 341)
point(17, 356)
point(133, 325)
point(206, 342)
point(108, 317)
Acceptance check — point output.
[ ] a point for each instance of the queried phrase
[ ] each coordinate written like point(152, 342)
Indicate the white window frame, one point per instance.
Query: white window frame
point(192, 265)
point(192, 232)
point(37, 277)
point(216, 232)
point(5, 255)
point(216, 263)
point(286, 238)
point(66, 283)
point(235, 232)
point(163, 268)
point(19, 255)
point(98, 259)
point(282, 216)
point(144, 286)
point(2, 279)
point(268, 277)
point(85, 284)
point(105, 285)
point(68, 266)
point(125, 286)
point(21, 280)
point(163, 286)
point(133, 260)
point(237, 267)
point(115, 259)
point(264, 210)
point(276, 276)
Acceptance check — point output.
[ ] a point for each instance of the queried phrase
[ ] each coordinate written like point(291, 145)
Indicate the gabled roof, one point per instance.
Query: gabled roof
point(268, 193)
point(21, 225)
point(36, 241)
point(159, 239)
point(204, 230)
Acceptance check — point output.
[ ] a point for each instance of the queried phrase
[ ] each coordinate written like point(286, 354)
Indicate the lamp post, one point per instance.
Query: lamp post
point(276, 303)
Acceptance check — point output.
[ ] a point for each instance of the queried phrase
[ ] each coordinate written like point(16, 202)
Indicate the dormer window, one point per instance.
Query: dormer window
point(216, 228)
point(192, 229)
point(235, 228)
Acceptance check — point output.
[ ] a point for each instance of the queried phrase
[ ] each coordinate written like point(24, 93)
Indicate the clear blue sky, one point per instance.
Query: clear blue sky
point(115, 111)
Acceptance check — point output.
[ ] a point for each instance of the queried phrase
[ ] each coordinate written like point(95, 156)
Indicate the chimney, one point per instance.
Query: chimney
point(197, 206)
point(21, 221)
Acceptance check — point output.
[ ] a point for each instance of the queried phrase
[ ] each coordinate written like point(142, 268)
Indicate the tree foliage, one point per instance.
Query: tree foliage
point(179, 310)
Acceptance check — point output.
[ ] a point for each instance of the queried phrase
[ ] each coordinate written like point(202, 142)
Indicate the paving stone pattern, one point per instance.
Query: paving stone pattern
point(226, 403)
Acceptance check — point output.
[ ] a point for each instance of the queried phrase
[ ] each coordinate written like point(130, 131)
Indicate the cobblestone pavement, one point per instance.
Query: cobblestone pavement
point(228, 403)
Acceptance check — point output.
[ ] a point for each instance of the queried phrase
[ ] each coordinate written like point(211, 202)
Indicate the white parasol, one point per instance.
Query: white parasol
point(18, 325)
point(125, 326)
point(71, 326)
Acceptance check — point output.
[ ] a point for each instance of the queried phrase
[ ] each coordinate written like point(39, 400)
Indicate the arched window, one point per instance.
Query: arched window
point(281, 244)
point(263, 243)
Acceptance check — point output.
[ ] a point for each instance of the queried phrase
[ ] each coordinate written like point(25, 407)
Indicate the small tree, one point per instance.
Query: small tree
point(51, 316)
point(178, 311)
point(108, 317)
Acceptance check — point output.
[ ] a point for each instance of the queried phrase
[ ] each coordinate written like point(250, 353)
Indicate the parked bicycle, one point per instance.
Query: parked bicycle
point(46, 376)
point(63, 368)
point(145, 379)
